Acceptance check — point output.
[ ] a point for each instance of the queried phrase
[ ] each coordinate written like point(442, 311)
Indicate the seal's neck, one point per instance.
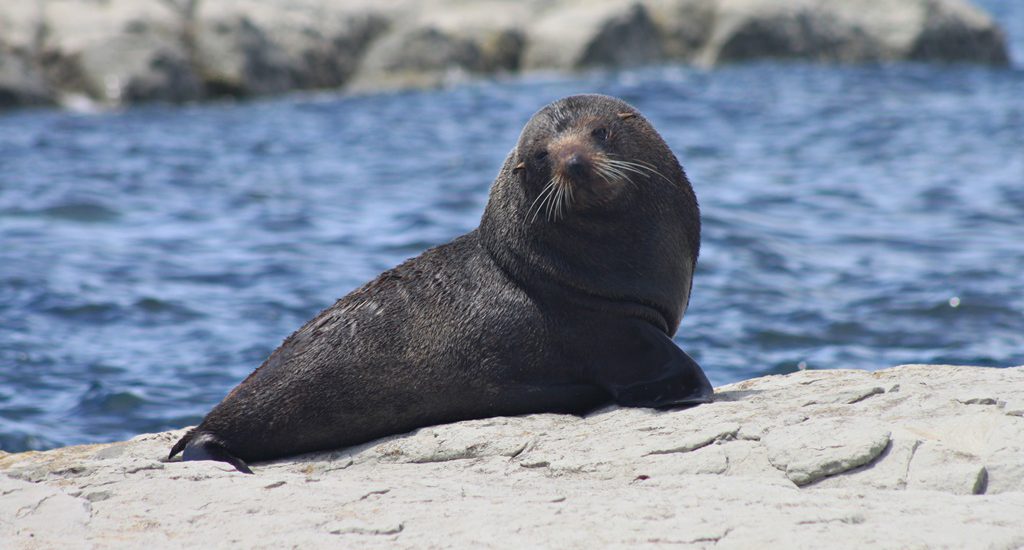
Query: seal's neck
point(634, 254)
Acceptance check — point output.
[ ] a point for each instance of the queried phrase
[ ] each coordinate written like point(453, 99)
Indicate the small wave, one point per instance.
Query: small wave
point(228, 279)
point(19, 442)
point(84, 212)
point(155, 309)
point(100, 400)
point(104, 312)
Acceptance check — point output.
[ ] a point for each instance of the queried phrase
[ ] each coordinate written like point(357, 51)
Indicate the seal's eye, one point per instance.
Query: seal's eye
point(541, 155)
point(600, 134)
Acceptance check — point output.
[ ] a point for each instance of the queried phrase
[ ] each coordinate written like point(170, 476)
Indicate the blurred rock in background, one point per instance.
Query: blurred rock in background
point(123, 51)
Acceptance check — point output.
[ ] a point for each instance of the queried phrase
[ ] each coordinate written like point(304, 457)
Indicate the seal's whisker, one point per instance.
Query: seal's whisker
point(542, 198)
point(547, 204)
point(550, 210)
point(559, 198)
point(612, 170)
point(566, 200)
point(641, 168)
point(534, 203)
point(653, 169)
point(638, 170)
point(620, 164)
point(607, 172)
point(630, 167)
point(616, 173)
point(556, 205)
point(631, 163)
point(611, 173)
point(549, 200)
point(623, 171)
point(602, 172)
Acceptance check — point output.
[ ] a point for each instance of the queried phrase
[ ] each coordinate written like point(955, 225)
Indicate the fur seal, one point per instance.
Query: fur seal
point(563, 299)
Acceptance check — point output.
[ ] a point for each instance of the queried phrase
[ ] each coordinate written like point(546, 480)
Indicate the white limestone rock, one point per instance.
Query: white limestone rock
point(257, 47)
point(817, 449)
point(22, 81)
point(811, 459)
point(124, 51)
point(117, 51)
point(684, 26)
point(853, 31)
point(592, 34)
point(938, 468)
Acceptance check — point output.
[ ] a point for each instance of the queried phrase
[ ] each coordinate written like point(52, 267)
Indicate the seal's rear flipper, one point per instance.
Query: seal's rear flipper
point(206, 447)
point(642, 367)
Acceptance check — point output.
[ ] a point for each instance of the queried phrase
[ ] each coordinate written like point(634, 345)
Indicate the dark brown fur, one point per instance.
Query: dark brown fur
point(531, 312)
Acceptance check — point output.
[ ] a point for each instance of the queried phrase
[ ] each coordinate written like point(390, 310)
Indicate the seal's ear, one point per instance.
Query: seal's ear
point(627, 115)
point(519, 166)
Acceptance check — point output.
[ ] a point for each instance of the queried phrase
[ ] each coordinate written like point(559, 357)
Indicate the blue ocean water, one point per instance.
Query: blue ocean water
point(854, 217)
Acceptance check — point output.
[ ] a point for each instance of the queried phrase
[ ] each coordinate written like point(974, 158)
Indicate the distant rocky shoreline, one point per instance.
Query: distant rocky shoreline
point(112, 52)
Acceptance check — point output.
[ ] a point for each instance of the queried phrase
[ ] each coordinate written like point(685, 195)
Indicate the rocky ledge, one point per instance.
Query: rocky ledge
point(918, 456)
point(121, 51)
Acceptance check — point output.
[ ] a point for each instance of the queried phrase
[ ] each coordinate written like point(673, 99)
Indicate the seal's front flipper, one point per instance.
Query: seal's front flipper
point(685, 387)
point(642, 367)
point(201, 446)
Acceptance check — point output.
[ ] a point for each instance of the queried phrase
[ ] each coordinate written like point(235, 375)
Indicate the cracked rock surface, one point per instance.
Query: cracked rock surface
point(918, 456)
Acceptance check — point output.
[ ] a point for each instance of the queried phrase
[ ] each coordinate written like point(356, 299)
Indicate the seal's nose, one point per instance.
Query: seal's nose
point(576, 166)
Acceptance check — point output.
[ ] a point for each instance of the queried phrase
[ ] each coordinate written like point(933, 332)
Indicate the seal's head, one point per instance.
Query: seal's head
point(593, 199)
point(586, 152)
